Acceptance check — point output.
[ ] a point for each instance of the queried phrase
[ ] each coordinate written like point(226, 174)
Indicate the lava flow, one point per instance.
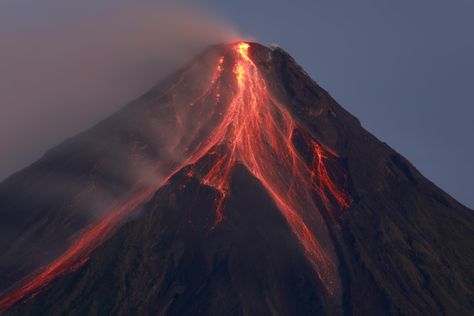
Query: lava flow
point(258, 132)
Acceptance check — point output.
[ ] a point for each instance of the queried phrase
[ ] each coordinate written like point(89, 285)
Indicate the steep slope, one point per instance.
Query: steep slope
point(44, 206)
point(282, 204)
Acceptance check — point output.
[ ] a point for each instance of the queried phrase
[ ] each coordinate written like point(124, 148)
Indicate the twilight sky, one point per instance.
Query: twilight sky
point(405, 68)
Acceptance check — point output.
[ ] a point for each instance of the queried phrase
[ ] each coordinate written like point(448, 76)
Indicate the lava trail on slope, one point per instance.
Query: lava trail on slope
point(254, 129)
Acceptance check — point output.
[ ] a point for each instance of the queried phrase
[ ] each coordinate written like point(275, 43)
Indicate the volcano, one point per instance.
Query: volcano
point(236, 186)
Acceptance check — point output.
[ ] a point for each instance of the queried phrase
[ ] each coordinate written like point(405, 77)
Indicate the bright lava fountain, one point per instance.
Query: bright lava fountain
point(258, 132)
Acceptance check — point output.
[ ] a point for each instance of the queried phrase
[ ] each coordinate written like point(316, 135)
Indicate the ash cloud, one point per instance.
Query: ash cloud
point(64, 67)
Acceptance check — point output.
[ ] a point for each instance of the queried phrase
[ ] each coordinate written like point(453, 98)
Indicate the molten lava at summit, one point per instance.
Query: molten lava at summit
point(257, 131)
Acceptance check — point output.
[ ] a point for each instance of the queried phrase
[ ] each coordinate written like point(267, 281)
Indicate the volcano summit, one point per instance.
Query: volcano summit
point(237, 186)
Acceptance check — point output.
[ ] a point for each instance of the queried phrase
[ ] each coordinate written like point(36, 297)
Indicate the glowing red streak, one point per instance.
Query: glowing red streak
point(79, 252)
point(256, 131)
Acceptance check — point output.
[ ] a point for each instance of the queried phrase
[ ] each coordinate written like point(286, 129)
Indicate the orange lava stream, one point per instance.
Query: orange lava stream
point(258, 132)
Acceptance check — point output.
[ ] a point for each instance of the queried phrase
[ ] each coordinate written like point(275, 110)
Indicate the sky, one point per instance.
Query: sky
point(405, 68)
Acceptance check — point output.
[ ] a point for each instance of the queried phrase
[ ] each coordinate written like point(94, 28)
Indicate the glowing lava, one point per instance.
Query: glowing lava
point(258, 132)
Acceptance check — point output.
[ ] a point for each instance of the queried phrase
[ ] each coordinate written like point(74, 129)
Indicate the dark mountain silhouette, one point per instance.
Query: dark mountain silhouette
point(237, 186)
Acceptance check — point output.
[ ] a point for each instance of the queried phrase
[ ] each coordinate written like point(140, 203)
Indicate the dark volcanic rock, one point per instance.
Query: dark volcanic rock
point(171, 261)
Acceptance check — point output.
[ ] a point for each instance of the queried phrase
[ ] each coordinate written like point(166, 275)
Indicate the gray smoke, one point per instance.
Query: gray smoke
point(64, 67)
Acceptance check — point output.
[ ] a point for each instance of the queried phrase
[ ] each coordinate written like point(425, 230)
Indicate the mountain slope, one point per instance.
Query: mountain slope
point(398, 244)
point(85, 178)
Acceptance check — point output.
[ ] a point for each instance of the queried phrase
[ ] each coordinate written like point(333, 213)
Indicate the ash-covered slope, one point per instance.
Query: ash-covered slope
point(359, 230)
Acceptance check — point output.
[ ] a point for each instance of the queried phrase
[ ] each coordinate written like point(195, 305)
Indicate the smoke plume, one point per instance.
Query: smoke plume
point(65, 67)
